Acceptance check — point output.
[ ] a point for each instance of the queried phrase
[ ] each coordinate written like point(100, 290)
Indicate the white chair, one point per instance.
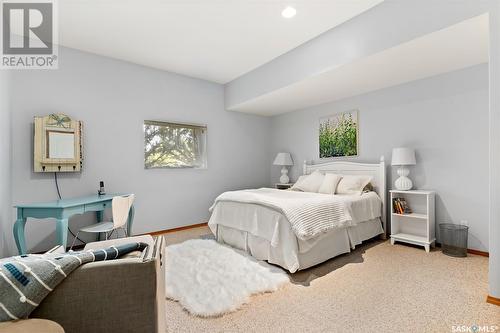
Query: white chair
point(120, 208)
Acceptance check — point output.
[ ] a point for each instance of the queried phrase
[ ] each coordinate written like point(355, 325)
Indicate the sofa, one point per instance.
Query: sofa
point(122, 295)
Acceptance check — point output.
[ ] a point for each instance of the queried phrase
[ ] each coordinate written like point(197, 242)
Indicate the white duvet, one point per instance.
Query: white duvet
point(309, 214)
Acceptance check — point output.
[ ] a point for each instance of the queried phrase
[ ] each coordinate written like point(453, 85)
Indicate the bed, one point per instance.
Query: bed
point(266, 232)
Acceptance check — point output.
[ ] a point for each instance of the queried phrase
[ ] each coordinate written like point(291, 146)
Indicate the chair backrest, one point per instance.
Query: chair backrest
point(121, 207)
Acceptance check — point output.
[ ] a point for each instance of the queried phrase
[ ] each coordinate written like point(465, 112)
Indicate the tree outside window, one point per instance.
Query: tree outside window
point(174, 145)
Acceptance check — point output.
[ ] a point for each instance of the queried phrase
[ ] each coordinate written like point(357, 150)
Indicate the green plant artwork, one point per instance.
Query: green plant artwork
point(338, 135)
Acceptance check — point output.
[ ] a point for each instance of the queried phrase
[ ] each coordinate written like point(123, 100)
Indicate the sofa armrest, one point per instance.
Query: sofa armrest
point(121, 295)
point(159, 252)
point(148, 253)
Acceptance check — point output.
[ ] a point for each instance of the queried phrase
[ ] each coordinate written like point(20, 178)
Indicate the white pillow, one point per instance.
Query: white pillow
point(309, 183)
point(352, 184)
point(330, 183)
point(298, 182)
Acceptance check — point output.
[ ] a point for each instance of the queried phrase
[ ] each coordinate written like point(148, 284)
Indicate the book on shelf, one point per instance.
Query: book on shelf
point(400, 206)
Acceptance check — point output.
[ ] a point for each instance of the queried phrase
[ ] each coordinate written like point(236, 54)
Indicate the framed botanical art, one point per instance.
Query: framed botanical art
point(338, 135)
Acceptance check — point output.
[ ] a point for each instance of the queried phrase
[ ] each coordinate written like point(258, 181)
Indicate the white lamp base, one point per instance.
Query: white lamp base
point(403, 183)
point(284, 179)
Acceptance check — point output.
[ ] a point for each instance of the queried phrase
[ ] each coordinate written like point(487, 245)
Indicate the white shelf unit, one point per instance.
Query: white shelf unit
point(417, 228)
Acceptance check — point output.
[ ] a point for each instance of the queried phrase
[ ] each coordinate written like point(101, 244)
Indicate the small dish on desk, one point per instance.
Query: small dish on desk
point(281, 186)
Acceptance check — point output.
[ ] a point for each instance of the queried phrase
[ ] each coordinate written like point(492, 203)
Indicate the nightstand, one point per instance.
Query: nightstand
point(418, 227)
point(281, 186)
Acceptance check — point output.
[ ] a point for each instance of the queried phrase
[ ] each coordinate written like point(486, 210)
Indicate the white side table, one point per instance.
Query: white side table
point(418, 227)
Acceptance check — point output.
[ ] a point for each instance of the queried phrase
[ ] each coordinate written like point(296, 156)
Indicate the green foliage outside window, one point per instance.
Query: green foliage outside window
point(338, 136)
point(170, 145)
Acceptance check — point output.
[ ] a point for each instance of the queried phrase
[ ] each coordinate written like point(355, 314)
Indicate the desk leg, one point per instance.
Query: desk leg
point(62, 232)
point(19, 235)
point(100, 216)
point(131, 214)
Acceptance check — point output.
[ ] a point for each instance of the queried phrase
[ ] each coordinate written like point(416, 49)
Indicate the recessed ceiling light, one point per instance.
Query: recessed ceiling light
point(289, 12)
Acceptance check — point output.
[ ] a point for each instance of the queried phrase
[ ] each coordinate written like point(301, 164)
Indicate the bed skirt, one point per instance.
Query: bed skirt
point(286, 255)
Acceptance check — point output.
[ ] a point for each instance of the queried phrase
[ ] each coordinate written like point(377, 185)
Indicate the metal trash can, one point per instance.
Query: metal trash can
point(454, 239)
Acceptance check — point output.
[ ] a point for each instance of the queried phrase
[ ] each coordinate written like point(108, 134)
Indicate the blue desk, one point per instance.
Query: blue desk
point(62, 210)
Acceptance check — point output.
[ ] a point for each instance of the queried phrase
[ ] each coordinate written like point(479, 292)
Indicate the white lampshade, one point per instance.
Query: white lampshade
point(403, 156)
point(283, 159)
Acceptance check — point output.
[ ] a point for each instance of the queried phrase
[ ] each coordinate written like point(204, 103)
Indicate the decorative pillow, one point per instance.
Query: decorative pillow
point(330, 183)
point(350, 184)
point(310, 183)
point(298, 182)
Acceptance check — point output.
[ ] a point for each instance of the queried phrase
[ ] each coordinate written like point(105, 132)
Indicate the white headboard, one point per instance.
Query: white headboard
point(376, 170)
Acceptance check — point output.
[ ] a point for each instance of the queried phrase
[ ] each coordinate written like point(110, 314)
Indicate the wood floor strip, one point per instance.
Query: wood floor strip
point(167, 231)
point(493, 300)
point(472, 251)
point(479, 253)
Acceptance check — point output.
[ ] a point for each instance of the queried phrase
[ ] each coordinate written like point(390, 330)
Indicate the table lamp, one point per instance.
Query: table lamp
point(283, 159)
point(402, 157)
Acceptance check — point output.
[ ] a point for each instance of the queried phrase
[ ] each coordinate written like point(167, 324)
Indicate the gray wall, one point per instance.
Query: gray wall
point(445, 118)
point(5, 167)
point(113, 98)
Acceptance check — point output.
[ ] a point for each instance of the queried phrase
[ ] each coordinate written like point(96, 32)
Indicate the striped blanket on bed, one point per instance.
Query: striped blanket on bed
point(26, 280)
point(309, 214)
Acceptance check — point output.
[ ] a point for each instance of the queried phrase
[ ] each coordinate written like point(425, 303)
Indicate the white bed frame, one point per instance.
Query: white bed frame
point(376, 170)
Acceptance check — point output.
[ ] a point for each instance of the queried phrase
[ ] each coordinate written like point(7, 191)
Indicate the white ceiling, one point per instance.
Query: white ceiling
point(456, 47)
point(216, 40)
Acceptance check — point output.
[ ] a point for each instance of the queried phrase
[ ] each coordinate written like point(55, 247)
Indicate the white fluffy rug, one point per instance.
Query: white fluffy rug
point(210, 279)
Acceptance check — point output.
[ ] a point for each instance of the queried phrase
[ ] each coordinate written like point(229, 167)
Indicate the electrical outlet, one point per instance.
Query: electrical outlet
point(464, 222)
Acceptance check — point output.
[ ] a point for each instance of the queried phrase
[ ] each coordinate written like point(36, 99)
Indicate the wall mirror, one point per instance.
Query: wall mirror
point(57, 144)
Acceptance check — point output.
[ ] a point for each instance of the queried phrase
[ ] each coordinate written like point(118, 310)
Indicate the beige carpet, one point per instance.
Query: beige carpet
point(376, 288)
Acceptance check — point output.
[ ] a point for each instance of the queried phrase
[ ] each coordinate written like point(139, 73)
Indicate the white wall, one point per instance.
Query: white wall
point(5, 166)
point(494, 162)
point(445, 118)
point(112, 98)
point(386, 25)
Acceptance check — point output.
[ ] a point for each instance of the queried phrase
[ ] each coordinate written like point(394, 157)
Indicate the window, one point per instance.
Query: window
point(174, 145)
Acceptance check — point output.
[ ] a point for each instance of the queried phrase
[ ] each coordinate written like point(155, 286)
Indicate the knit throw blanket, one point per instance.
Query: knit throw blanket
point(26, 280)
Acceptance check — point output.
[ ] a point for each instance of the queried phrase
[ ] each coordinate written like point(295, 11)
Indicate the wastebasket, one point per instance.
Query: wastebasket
point(454, 239)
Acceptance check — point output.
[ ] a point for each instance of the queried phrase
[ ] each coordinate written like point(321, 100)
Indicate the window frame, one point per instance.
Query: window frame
point(194, 126)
